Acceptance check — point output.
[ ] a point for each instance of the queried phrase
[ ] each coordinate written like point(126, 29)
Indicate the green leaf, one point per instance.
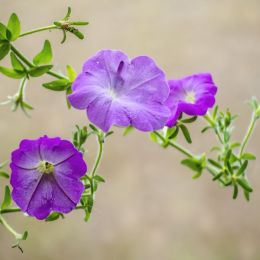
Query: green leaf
point(71, 73)
point(7, 198)
point(248, 156)
point(215, 111)
point(17, 65)
point(53, 216)
point(242, 168)
point(217, 176)
point(244, 184)
point(4, 49)
point(57, 85)
point(14, 27)
point(2, 32)
point(39, 71)
point(215, 163)
point(235, 145)
point(154, 137)
point(186, 133)
point(190, 163)
point(93, 128)
point(11, 73)
point(98, 178)
point(235, 192)
point(247, 195)
point(189, 120)
point(205, 129)
point(4, 175)
point(44, 56)
point(128, 130)
point(172, 132)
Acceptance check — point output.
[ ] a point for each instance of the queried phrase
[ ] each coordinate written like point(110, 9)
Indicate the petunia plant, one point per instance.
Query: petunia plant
point(49, 176)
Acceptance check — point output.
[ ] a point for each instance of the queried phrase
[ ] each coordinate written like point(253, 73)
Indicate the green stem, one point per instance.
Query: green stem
point(10, 210)
point(50, 27)
point(248, 134)
point(213, 125)
point(31, 65)
point(100, 151)
point(186, 152)
point(176, 146)
point(9, 228)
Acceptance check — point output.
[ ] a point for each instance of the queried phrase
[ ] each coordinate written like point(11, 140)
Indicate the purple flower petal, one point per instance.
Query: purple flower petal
point(54, 182)
point(27, 155)
point(193, 95)
point(117, 91)
point(55, 150)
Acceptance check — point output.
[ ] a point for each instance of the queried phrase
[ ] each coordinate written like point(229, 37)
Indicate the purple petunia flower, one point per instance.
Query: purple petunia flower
point(46, 176)
point(193, 95)
point(117, 91)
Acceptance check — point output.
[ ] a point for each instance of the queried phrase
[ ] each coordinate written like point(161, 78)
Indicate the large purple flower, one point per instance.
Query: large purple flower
point(117, 91)
point(193, 95)
point(46, 176)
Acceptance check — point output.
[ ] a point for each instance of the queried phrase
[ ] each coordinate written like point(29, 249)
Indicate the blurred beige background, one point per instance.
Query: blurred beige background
point(149, 208)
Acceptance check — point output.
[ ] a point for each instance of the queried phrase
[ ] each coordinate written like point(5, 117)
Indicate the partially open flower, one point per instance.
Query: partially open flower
point(193, 95)
point(117, 91)
point(46, 176)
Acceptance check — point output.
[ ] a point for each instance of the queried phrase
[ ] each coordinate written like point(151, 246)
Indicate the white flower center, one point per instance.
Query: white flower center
point(111, 92)
point(190, 97)
point(45, 167)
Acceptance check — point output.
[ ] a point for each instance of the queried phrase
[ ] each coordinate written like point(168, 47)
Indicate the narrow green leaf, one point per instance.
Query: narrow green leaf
point(71, 73)
point(189, 120)
point(247, 195)
point(215, 111)
point(7, 198)
point(4, 49)
point(53, 216)
point(242, 168)
point(248, 156)
point(93, 128)
point(57, 85)
point(190, 163)
point(235, 145)
point(217, 176)
point(79, 23)
point(2, 32)
point(128, 130)
point(215, 163)
point(44, 56)
point(11, 73)
point(172, 132)
point(14, 27)
point(186, 133)
point(4, 175)
point(98, 178)
point(205, 129)
point(235, 192)
point(39, 71)
point(17, 65)
point(154, 137)
point(244, 184)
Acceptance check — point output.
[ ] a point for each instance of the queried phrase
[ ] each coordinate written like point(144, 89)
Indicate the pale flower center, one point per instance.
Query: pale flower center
point(190, 97)
point(111, 92)
point(45, 167)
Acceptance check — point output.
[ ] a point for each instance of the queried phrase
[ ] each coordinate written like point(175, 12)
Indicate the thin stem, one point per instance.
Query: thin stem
point(100, 151)
point(31, 65)
point(213, 125)
point(9, 228)
point(50, 27)
point(184, 151)
point(10, 210)
point(248, 134)
point(176, 146)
